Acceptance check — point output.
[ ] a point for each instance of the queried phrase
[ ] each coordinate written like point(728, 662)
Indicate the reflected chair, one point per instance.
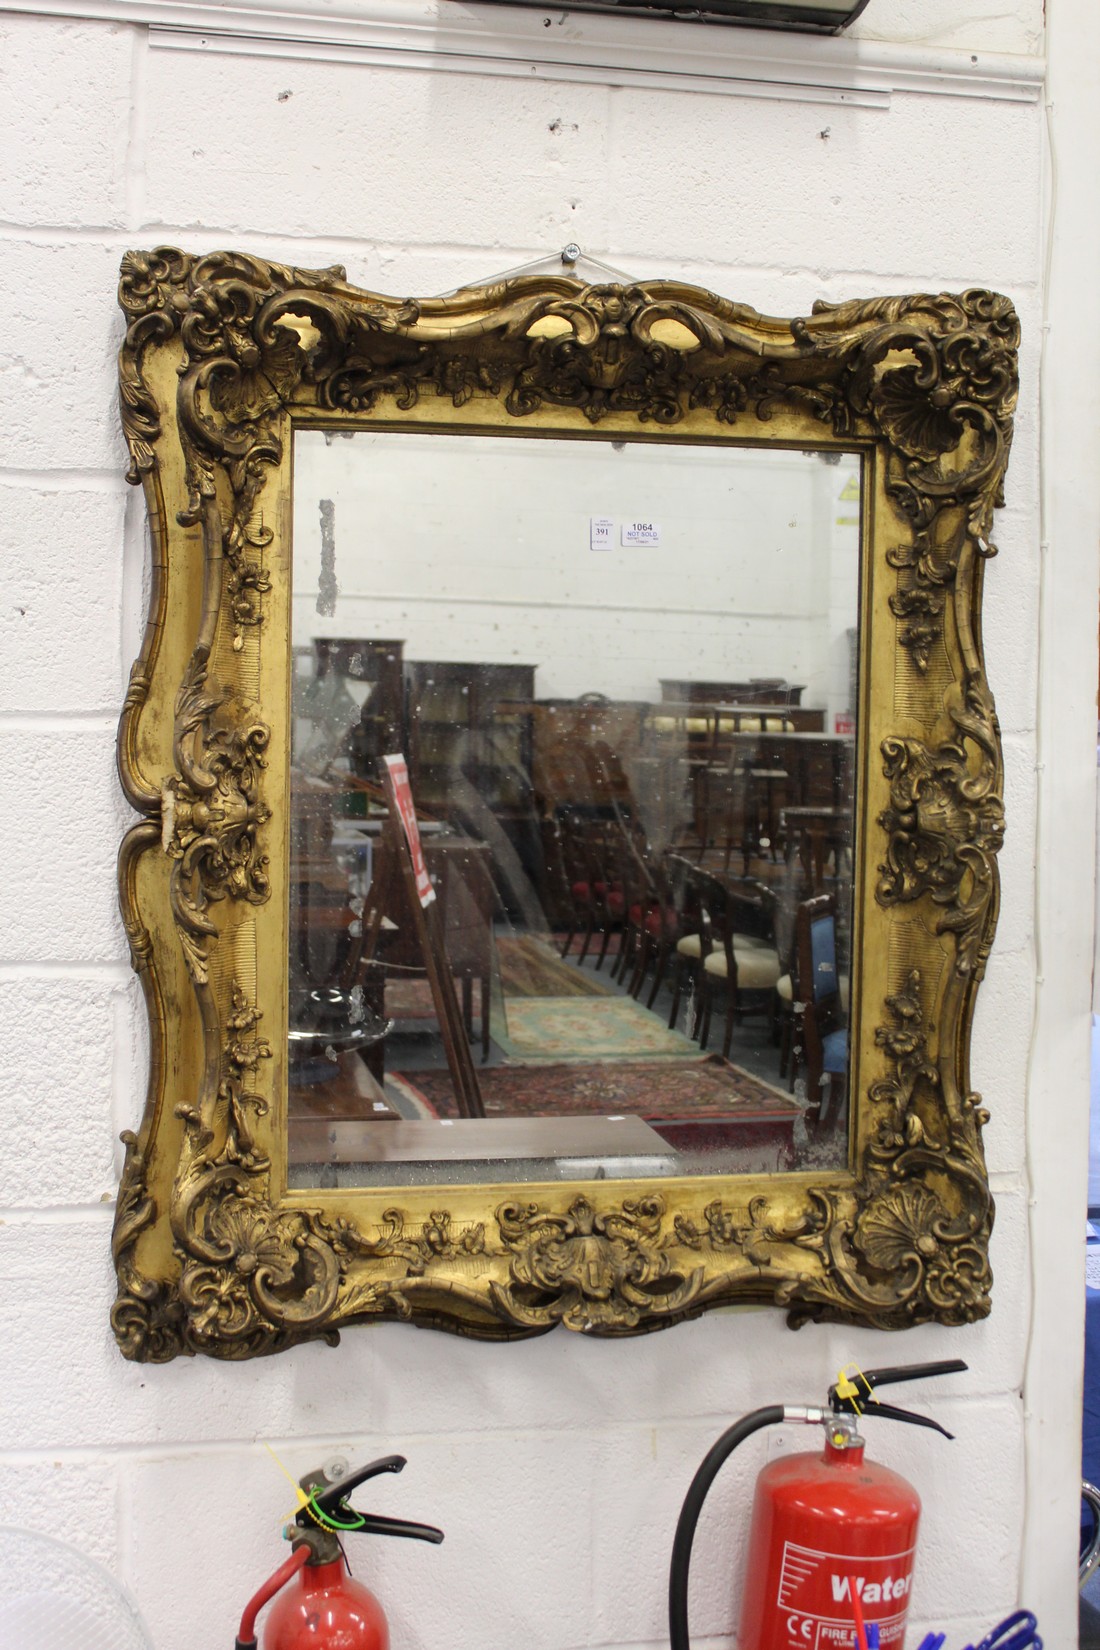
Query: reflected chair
point(746, 963)
point(603, 880)
point(727, 940)
point(679, 920)
point(696, 938)
point(722, 808)
point(821, 1028)
point(653, 925)
point(592, 888)
point(571, 846)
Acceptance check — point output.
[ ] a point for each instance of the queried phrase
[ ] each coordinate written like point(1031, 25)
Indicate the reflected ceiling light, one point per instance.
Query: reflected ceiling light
point(809, 16)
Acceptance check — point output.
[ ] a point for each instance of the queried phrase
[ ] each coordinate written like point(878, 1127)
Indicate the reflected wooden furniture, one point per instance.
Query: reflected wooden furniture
point(564, 734)
point(653, 760)
point(380, 730)
point(746, 699)
point(426, 922)
point(349, 1090)
point(685, 740)
point(742, 718)
point(607, 879)
point(743, 800)
point(462, 872)
point(760, 690)
point(457, 738)
point(652, 925)
point(816, 836)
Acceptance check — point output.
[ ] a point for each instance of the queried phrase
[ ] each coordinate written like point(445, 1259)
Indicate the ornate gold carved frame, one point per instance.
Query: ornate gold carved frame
point(223, 355)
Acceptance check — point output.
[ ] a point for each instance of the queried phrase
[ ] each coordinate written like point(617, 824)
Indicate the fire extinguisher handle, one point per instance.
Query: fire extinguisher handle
point(373, 1525)
point(859, 1398)
point(891, 1412)
point(329, 1500)
point(334, 1507)
point(910, 1372)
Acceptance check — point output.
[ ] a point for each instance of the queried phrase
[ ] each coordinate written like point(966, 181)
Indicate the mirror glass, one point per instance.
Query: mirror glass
point(623, 679)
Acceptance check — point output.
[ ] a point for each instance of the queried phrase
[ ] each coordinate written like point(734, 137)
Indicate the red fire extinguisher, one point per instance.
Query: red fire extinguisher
point(833, 1535)
point(327, 1609)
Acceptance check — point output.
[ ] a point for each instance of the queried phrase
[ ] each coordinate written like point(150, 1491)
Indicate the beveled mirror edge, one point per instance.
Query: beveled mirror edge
point(221, 354)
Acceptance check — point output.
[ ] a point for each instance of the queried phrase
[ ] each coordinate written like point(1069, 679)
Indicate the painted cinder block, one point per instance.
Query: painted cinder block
point(59, 834)
point(62, 327)
point(1016, 922)
point(64, 1384)
point(1009, 608)
point(1000, 1051)
point(390, 154)
point(54, 1291)
point(56, 1079)
point(969, 1485)
point(72, 1500)
point(67, 154)
point(60, 567)
point(824, 187)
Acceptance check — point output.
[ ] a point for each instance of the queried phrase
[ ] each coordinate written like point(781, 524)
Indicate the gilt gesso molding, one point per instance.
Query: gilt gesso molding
point(223, 355)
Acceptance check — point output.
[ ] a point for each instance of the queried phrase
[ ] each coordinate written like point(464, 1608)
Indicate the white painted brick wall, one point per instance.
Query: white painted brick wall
point(557, 1466)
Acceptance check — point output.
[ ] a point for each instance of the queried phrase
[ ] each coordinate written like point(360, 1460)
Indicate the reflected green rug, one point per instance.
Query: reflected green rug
point(585, 1028)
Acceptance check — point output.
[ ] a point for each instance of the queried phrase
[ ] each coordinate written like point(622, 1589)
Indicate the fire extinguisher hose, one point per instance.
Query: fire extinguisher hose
point(693, 1506)
point(246, 1632)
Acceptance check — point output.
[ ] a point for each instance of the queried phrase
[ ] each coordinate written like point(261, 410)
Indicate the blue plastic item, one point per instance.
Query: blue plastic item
point(1016, 1632)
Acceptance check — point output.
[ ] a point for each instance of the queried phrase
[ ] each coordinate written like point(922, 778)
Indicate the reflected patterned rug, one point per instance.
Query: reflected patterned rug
point(571, 1028)
point(594, 944)
point(528, 966)
point(703, 1089)
point(409, 997)
point(556, 1028)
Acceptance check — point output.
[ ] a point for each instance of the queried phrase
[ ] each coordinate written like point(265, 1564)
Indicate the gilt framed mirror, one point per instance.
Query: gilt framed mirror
point(570, 795)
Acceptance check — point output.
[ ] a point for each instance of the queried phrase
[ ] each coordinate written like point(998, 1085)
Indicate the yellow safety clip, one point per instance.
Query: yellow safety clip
point(846, 1386)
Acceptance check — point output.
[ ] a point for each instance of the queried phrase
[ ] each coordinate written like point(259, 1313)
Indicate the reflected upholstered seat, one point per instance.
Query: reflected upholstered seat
point(821, 1034)
point(720, 949)
point(745, 965)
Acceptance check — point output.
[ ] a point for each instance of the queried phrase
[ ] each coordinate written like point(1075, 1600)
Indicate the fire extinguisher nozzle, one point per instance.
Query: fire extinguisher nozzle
point(693, 1506)
point(246, 1635)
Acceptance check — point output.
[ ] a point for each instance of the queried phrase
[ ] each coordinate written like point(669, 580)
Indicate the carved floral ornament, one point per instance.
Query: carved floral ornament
point(221, 355)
